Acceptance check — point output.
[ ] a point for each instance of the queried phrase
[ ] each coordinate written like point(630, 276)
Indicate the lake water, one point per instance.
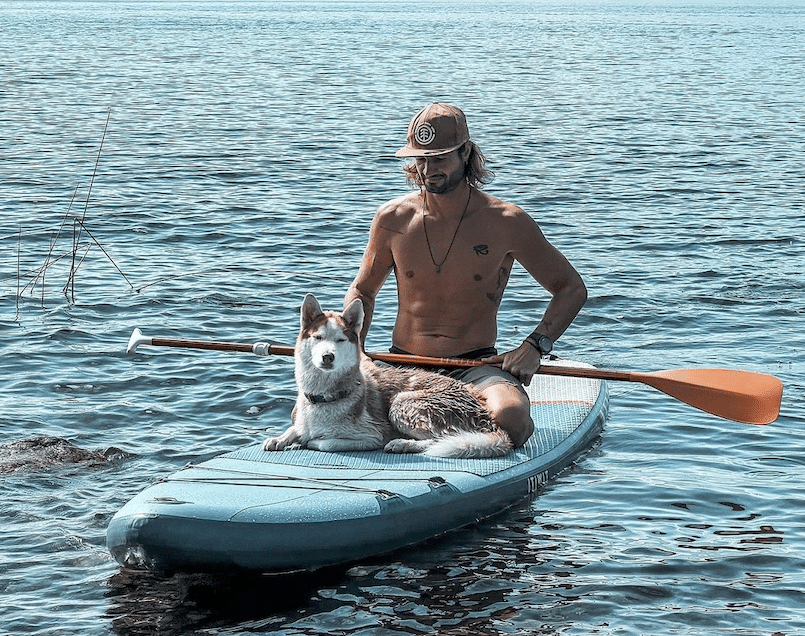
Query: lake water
point(660, 147)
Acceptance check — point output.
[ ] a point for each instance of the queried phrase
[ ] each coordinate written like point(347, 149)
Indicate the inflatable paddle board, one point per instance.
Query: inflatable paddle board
point(302, 510)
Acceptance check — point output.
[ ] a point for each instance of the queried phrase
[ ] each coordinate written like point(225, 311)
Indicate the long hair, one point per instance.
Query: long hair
point(475, 171)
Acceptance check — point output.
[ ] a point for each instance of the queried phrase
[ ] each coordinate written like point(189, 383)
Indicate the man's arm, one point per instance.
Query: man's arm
point(549, 267)
point(376, 264)
point(563, 282)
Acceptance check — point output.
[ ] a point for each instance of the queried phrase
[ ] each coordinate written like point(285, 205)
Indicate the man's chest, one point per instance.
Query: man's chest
point(473, 255)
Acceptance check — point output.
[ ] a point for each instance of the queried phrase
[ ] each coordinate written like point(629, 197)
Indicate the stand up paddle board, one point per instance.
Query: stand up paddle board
point(304, 509)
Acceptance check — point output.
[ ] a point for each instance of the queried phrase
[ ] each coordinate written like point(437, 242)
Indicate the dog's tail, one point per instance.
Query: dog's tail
point(471, 444)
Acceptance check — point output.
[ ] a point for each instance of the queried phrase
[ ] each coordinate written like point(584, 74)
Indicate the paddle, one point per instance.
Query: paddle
point(742, 396)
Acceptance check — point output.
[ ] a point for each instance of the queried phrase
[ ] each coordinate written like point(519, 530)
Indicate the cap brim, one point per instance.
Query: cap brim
point(408, 151)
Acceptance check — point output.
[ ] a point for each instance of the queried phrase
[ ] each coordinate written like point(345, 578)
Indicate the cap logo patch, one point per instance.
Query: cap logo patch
point(425, 134)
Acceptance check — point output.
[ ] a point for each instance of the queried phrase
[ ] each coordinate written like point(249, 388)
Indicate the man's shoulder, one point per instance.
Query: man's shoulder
point(409, 200)
point(400, 208)
point(397, 214)
point(501, 208)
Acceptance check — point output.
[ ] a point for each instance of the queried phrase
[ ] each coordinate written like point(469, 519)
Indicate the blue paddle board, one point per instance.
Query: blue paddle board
point(303, 509)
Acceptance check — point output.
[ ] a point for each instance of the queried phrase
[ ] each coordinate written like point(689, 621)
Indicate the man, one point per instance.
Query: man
point(452, 247)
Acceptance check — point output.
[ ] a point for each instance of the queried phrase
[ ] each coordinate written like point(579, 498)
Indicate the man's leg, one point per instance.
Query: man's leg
point(510, 408)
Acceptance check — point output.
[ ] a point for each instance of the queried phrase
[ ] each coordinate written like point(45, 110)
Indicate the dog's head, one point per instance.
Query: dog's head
point(327, 339)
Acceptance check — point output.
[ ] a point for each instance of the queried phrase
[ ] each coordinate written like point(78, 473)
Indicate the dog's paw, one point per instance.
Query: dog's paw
point(278, 444)
point(289, 440)
point(402, 445)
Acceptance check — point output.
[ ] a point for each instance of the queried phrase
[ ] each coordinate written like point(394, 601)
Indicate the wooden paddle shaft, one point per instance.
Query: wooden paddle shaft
point(266, 349)
point(202, 344)
point(259, 348)
point(743, 396)
point(545, 369)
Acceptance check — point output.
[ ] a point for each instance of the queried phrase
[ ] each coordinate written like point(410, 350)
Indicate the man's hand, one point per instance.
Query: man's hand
point(522, 362)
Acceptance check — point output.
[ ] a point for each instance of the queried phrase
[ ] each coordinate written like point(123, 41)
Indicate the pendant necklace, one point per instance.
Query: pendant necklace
point(438, 266)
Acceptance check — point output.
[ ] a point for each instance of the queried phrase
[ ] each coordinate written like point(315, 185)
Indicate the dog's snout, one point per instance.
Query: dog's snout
point(328, 358)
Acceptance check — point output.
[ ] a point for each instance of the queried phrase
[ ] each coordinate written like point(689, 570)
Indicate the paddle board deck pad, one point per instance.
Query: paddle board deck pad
point(303, 509)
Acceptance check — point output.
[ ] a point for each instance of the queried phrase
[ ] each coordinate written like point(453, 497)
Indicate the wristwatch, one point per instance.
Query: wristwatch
point(540, 342)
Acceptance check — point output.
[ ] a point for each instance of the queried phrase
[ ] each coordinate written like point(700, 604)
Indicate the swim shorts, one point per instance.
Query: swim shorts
point(480, 377)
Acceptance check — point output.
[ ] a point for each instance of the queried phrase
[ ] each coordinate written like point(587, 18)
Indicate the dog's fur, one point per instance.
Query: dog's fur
point(346, 402)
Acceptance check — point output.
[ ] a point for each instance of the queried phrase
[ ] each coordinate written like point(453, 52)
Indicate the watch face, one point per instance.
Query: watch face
point(545, 344)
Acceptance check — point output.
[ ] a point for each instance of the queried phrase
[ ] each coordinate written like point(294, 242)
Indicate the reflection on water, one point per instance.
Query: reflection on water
point(525, 570)
point(450, 599)
point(659, 145)
point(146, 603)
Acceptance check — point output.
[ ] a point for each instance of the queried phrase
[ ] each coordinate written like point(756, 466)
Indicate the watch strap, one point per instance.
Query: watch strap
point(534, 340)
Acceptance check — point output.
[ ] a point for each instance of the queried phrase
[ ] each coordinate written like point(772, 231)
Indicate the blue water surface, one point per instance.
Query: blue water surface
point(236, 152)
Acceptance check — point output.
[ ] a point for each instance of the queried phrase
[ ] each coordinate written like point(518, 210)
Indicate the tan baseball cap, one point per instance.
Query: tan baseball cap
point(435, 130)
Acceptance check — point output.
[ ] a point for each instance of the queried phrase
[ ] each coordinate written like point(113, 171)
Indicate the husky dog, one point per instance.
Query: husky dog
point(346, 402)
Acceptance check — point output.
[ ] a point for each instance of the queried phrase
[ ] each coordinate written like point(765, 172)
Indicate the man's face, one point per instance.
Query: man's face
point(441, 173)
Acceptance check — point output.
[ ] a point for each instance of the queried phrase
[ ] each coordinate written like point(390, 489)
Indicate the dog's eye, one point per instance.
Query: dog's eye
point(318, 337)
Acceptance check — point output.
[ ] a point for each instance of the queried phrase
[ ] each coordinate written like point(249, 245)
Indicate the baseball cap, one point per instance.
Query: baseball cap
point(435, 130)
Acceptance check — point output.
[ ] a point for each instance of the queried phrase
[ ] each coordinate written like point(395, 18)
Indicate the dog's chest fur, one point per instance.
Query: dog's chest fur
point(337, 394)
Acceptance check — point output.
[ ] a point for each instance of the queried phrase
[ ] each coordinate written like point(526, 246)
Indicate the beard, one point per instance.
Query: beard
point(445, 183)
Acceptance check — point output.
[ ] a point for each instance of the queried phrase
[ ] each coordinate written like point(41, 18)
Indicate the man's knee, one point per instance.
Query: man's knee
point(510, 408)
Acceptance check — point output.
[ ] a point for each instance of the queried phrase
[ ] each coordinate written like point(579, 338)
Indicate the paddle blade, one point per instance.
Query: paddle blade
point(742, 396)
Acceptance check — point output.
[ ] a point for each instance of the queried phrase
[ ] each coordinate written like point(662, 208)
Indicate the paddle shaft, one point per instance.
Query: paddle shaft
point(266, 349)
point(425, 361)
point(211, 345)
point(742, 396)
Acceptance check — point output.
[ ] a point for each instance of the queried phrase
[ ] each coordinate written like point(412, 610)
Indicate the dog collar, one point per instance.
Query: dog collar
point(323, 399)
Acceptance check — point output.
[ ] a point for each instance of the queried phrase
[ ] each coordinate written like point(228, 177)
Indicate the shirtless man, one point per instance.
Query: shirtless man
point(452, 247)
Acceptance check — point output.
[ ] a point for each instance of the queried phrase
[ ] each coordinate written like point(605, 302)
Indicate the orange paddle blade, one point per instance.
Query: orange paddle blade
point(742, 396)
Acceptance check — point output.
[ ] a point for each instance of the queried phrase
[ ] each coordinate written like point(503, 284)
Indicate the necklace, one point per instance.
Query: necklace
point(438, 266)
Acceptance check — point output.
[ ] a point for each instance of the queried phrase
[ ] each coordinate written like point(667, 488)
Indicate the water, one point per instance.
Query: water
point(660, 147)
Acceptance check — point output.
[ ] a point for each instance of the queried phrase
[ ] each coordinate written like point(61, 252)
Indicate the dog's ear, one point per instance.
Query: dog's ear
point(311, 309)
point(353, 316)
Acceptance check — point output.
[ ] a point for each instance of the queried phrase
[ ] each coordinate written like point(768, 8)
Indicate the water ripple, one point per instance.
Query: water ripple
point(659, 147)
